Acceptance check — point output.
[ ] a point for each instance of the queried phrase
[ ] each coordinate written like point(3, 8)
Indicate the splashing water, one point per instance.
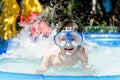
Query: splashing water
point(23, 46)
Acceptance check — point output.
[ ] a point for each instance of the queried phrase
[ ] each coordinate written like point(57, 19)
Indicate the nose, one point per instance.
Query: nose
point(68, 44)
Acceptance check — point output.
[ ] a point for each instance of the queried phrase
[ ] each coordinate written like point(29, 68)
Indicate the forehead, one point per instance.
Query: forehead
point(69, 28)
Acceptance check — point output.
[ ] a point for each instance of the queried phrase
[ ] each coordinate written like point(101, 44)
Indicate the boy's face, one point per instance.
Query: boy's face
point(68, 40)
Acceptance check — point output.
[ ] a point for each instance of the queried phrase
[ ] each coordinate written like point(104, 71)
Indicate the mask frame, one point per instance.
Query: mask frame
point(69, 36)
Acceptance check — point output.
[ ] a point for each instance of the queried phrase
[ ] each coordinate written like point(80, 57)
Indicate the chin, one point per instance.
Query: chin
point(69, 53)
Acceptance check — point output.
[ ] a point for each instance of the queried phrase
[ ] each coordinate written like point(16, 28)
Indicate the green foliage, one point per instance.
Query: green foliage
point(80, 11)
point(1, 6)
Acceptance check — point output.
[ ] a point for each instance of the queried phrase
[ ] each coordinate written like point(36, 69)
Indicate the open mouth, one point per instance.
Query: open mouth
point(69, 49)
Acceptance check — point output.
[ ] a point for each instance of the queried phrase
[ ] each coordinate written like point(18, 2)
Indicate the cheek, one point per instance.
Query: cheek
point(62, 49)
point(74, 49)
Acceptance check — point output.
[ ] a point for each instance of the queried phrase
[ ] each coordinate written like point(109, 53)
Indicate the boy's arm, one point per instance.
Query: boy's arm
point(45, 62)
point(83, 58)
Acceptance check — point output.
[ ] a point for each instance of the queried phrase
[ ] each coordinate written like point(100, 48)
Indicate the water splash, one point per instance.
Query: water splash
point(23, 46)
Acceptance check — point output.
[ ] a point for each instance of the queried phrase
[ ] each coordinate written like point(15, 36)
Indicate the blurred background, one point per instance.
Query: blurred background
point(90, 15)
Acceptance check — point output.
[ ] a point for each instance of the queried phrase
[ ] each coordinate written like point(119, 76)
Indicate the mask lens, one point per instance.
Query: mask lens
point(60, 39)
point(75, 38)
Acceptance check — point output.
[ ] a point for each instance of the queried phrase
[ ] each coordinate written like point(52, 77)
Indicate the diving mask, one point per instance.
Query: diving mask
point(74, 38)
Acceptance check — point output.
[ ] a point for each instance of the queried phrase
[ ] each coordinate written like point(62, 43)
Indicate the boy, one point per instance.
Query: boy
point(67, 51)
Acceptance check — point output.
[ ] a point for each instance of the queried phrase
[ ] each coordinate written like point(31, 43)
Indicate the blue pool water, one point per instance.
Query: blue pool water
point(20, 59)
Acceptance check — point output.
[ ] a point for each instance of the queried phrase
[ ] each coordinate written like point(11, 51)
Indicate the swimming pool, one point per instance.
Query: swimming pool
point(19, 61)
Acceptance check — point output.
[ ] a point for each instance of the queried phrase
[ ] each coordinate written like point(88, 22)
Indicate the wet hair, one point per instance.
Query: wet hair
point(67, 23)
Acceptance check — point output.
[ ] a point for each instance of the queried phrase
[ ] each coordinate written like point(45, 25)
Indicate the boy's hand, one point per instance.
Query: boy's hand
point(41, 70)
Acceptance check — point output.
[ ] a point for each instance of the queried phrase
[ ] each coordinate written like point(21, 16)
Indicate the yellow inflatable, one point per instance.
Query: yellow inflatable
point(8, 16)
point(9, 12)
point(31, 6)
